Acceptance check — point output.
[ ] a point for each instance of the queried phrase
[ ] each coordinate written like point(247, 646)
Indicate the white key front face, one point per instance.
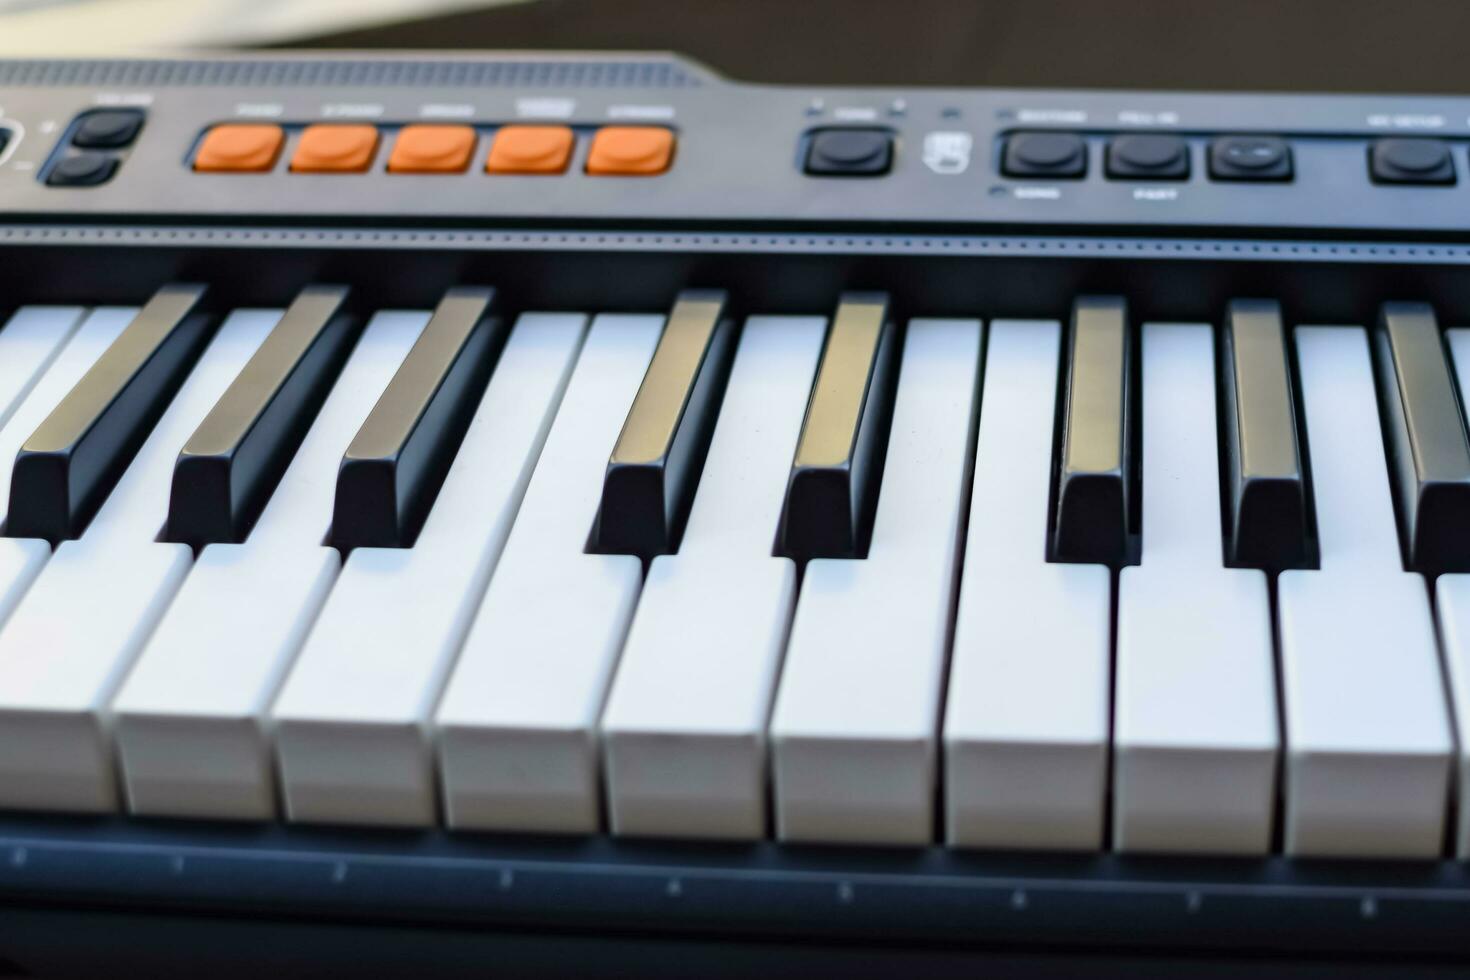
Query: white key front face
point(79, 628)
point(1026, 723)
point(1452, 594)
point(517, 723)
point(191, 718)
point(1367, 735)
point(855, 726)
point(359, 751)
point(1196, 735)
point(684, 727)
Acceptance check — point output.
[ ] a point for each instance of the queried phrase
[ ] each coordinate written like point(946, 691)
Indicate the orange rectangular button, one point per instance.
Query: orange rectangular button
point(239, 148)
point(425, 149)
point(630, 151)
point(530, 150)
point(333, 148)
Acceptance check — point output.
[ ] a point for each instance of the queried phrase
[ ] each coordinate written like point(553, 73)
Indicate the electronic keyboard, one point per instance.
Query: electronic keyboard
point(563, 506)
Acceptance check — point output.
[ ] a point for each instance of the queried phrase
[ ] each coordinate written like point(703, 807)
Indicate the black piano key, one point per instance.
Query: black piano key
point(70, 463)
point(1267, 510)
point(1094, 519)
point(833, 485)
point(396, 463)
point(233, 461)
point(1429, 454)
point(652, 472)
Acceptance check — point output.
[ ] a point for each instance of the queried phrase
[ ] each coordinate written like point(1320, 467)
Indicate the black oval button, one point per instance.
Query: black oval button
point(1415, 156)
point(850, 147)
point(1251, 158)
point(850, 152)
point(1048, 149)
point(1045, 155)
point(82, 170)
point(1148, 156)
point(1411, 161)
point(108, 128)
point(1149, 152)
point(1253, 154)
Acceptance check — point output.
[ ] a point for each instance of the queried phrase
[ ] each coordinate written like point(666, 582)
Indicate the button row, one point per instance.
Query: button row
point(1146, 156)
point(1158, 156)
point(854, 152)
point(434, 149)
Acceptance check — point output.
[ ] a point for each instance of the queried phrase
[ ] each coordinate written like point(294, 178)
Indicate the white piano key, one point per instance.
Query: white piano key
point(684, 727)
point(30, 341)
point(1026, 724)
point(361, 752)
point(303, 512)
point(73, 637)
point(137, 507)
point(1452, 594)
point(517, 723)
point(69, 465)
point(89, 341)
point(855, 726)
point(1195, 734)
point(30, 345)
point(1367, 736)
point(191, 719)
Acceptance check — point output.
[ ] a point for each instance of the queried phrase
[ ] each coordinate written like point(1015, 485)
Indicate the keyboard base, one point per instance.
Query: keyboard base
point(62, 943)
point(694, 892)
point(84, 944)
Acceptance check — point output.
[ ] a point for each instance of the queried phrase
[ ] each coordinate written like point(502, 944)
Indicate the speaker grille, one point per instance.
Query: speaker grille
point(511, 73)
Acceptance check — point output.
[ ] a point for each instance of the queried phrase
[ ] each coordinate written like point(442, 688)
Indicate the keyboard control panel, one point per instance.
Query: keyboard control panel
point(423, 141)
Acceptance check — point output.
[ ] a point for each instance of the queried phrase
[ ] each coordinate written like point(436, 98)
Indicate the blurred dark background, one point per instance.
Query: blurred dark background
point(1294, 45)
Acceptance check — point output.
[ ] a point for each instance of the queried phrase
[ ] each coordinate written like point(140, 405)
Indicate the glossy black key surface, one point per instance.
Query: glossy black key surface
point(232, 462)
point(396, 463)
point(1267, 510)
point(1094, 519)
point(653, 469)
point(833, 485)
point(1429, 455)
point(67, 467)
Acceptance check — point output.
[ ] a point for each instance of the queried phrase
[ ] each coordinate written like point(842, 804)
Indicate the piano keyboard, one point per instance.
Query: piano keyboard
point(1079, 571)
point(370, 554)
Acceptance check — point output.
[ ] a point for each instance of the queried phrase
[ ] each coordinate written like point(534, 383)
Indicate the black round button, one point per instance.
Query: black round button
point(82, 170)
point(1415, 156)
point(1047, 150)
point(1252, 153)
point(108, 129)
point(1149, 152)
